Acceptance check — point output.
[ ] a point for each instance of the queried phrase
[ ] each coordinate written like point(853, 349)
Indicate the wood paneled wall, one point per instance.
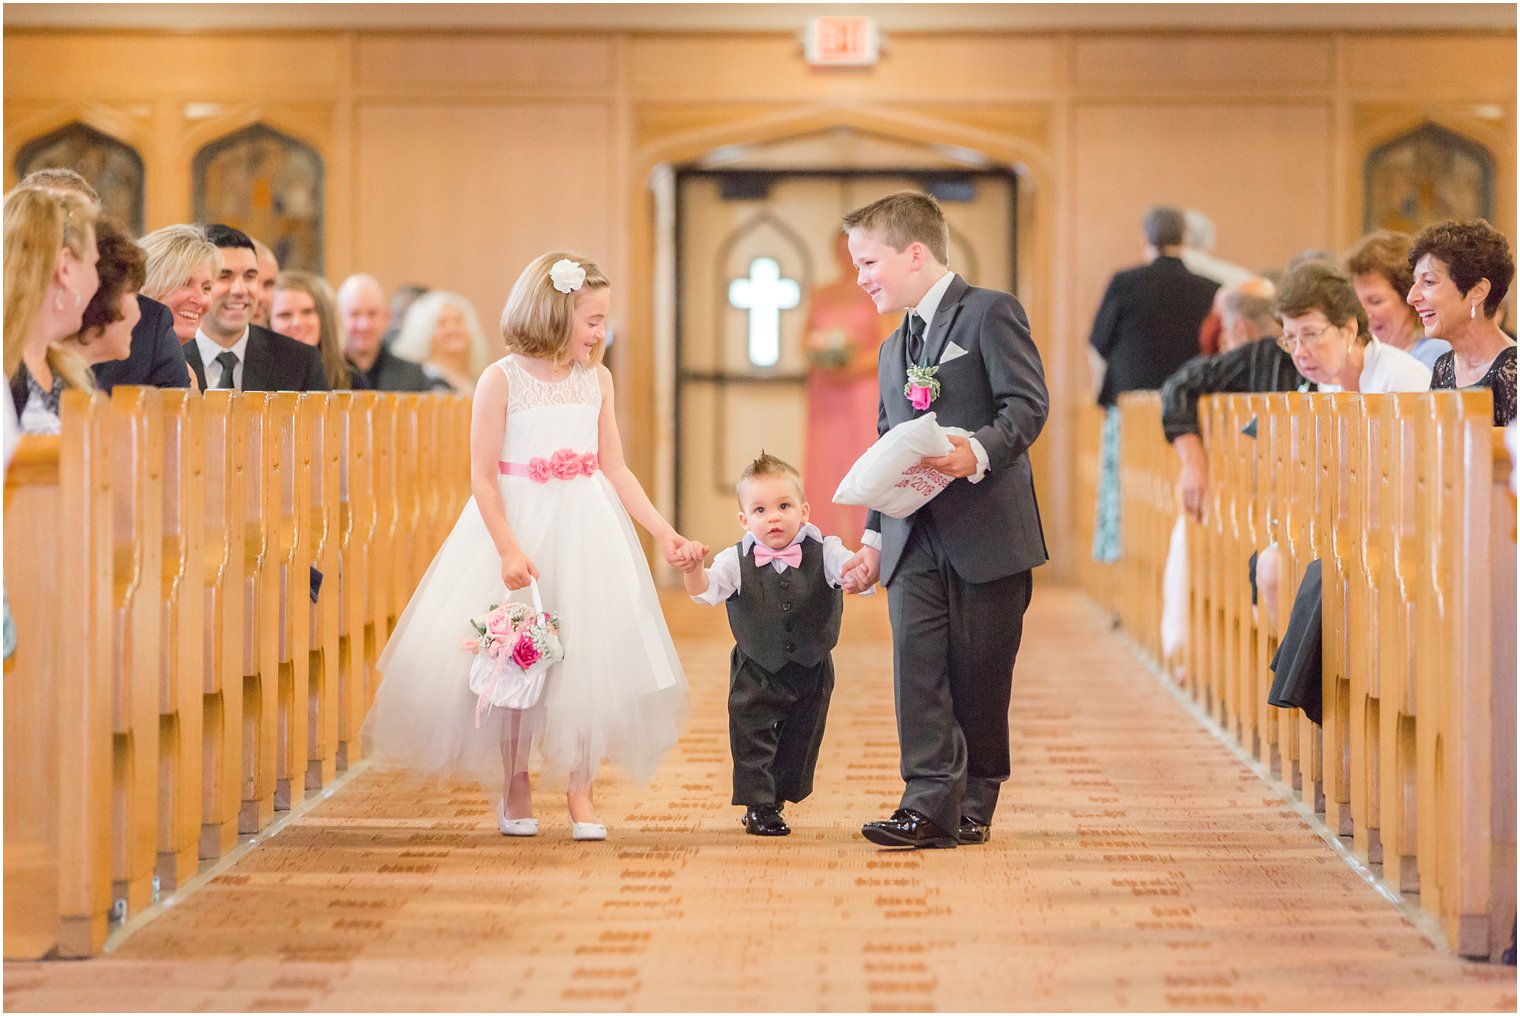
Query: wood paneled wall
point(453, 158)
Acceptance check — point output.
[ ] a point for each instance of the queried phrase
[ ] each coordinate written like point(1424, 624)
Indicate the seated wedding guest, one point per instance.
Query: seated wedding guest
point(1257, 364)
point(1380, 273)
point(1462, 271)
point(156, 359)
point(304, 308)
point(1197, 254)
point(269, 269)
point(50, 277)
point(365, 315)
point(105, 333)
point(229, 350)
point(441, 333)
point(1325, 329)
point(182, 265)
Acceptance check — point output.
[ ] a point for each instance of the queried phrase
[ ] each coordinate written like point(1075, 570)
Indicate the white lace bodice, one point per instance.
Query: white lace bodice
point(545, 416)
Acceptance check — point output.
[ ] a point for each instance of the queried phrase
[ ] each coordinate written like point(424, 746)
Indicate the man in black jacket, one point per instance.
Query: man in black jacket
point(361, 302)
point(228, 350)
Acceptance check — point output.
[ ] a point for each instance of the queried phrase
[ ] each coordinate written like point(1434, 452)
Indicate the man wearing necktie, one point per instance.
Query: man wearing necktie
point(781, 585)
point(228, 350)
point(958, 570)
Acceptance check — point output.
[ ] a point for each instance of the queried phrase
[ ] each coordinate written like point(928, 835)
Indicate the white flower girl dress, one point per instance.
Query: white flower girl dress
point(619, 694)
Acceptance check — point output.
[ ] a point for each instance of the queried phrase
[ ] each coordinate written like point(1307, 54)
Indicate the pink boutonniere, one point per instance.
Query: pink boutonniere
point(922, 387)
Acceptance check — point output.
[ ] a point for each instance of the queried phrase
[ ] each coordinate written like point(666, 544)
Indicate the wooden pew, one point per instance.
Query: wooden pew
point(137, 462)
point(227, 417)
point(261, 617)
point(357, 520)
point(385, 572)
point(180, 735)
point(288, 503)
point(318, 425)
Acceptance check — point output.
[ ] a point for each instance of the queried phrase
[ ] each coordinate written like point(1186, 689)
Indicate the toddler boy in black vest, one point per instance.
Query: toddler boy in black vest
point(782, 586)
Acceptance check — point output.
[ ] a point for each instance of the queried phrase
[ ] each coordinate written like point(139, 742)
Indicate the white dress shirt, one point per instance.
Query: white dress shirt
point(210, 350)
point(926, 309)
point(1388, 368)
point(723, 576)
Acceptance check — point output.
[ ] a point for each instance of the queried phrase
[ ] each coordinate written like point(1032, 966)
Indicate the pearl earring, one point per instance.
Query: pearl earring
point(1472, 312)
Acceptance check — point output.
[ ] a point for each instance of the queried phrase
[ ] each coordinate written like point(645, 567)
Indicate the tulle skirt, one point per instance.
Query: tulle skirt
point(619, 695)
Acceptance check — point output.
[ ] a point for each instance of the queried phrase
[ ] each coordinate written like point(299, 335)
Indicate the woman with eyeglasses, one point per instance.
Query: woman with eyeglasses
point(1325, 329)
point(1462, 271)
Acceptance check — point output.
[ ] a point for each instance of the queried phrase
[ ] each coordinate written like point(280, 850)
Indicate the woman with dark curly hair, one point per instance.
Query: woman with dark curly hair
point(1462, 271)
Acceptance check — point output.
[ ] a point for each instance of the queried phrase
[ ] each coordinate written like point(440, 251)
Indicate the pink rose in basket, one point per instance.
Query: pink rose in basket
point(538, 469)
point(525, 653)
point(565, 464)
point(500, 630)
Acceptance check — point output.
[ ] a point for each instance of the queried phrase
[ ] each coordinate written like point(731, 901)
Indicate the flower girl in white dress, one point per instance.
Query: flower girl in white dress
point(552, 500)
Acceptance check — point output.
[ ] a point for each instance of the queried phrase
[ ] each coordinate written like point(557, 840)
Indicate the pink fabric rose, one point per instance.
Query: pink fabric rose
point(589, 464)
point(538, 469)
point(525, 653)
point(565, 464)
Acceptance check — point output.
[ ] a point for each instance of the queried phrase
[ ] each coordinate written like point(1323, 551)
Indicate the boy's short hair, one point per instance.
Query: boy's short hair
point(903, 218)
point(767, 465)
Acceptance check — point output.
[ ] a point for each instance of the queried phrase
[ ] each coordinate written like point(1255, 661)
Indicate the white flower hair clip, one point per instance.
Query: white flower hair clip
point(567, 275)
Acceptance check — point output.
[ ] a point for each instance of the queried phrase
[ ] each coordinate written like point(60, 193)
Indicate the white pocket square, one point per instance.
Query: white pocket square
point(951, 352)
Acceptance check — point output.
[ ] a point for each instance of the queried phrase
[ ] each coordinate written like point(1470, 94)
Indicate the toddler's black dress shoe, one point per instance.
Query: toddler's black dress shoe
point(972, 831)
point(765, 820)
point(906, 828)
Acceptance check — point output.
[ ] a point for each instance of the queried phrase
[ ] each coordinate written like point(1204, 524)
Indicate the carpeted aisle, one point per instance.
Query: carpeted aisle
point(1135, 865)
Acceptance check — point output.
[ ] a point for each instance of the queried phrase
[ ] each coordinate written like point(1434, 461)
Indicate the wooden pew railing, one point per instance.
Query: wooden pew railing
point(1406, 501)
point(175, 683)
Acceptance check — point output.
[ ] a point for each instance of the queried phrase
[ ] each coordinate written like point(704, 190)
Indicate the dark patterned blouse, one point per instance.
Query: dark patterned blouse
point(1500, 378)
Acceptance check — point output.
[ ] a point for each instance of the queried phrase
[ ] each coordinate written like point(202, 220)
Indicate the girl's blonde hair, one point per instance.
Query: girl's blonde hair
point(173, 253)
point(39, 224)
point(538, 317)
point(414, 341)
point(330, 337)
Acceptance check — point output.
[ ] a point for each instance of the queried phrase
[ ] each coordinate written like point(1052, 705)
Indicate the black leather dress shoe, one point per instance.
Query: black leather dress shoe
point(906, 828)
point(972, 831)
point(765, 821)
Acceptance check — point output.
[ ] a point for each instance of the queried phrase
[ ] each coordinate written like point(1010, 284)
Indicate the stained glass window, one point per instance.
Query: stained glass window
point(112, 167)
point(269, 185)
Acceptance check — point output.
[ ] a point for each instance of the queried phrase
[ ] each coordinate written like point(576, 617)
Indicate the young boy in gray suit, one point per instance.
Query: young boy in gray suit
point(957, 571)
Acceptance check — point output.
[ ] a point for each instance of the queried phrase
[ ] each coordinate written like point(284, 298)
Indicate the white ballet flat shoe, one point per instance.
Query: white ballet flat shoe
point(587, 831)
point(516, 826)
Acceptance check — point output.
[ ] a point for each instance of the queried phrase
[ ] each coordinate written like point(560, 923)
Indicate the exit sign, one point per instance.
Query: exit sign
point(841, 42)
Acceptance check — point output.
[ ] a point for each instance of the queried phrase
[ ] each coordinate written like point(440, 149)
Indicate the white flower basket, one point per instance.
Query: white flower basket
point(505, 674)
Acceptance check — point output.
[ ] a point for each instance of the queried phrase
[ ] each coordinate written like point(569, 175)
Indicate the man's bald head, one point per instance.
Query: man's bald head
point(1245, 313)
point(366, 316)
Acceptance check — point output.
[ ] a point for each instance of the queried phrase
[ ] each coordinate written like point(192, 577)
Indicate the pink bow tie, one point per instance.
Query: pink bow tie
point(790, 556)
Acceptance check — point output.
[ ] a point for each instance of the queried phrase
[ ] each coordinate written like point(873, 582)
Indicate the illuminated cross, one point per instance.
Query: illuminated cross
point(765, 294)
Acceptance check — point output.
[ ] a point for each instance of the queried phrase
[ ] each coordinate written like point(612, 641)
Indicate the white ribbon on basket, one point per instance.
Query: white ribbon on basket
point(484, 703)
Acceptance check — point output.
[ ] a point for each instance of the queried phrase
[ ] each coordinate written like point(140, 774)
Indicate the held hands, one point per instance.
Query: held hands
point(516, 569)
point(960, 462)
point(687, 555)
point(861, 571)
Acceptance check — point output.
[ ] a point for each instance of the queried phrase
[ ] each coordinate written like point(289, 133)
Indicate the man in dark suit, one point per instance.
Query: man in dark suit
point(957, 571)
point(228, 350)
point(361, 302)
point(1147, 325)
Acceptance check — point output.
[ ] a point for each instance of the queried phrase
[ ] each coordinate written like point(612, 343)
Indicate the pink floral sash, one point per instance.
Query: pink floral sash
point(564, 464)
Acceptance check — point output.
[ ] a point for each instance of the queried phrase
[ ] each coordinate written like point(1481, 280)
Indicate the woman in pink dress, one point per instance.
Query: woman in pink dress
point(844, 332)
